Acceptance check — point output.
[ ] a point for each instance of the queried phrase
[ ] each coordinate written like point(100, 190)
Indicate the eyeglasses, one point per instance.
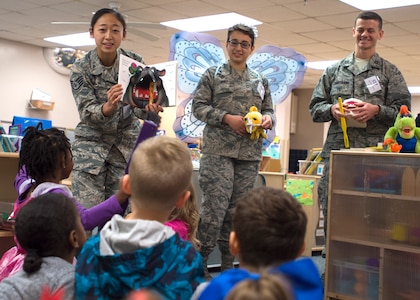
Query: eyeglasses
point(244, 44)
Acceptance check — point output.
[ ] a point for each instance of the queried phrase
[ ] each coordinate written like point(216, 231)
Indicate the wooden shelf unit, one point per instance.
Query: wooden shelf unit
point(373, 239)
point(8, 171)
point(8, 195)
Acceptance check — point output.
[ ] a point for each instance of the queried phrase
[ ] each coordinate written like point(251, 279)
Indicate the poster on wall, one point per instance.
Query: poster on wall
point(146, 84)
point(301, 189)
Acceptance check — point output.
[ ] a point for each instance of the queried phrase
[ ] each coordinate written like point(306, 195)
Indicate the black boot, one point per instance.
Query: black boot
point(227, 262)
point(207, 275)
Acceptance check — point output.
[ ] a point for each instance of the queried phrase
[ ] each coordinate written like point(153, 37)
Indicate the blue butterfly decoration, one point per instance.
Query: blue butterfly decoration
point(196, 52)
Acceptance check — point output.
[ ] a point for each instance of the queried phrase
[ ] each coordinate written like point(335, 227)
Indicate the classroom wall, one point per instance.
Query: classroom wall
point(24, 68)
point(308, 134)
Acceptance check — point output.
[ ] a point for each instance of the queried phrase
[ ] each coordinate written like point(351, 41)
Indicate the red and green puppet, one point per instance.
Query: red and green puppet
point(404, 136)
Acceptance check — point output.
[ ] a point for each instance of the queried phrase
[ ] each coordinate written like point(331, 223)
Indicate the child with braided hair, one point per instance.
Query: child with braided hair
point(49, 229)
point(45, 159)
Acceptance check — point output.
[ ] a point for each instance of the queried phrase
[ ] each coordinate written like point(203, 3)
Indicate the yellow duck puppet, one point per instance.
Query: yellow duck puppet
point(252, 121)
point(404, 136)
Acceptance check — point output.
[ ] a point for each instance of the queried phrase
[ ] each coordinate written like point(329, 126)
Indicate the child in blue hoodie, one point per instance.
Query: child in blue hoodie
point(268, 235)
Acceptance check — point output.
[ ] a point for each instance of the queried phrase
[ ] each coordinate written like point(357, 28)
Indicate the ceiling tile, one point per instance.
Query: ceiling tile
point(319, 30)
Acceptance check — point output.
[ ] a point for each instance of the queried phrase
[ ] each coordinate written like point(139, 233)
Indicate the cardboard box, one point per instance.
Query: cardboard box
point(41, 104)
point(264, 163)
point(269, 164)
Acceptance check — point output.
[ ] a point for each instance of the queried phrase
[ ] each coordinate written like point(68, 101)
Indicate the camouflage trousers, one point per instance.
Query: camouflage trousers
point(90, 189)
point(323, 192)
point(223, 181)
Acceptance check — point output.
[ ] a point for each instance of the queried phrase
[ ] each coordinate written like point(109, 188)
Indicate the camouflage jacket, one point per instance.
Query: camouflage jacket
point(95, 134)
point(345, 80)
point(229, 92)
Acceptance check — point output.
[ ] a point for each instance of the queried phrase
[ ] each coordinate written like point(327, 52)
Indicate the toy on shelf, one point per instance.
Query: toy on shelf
point(404, 136)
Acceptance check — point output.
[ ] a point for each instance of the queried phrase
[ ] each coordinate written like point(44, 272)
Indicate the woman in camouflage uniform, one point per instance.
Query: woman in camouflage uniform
point(108, 129)
point(230, 162)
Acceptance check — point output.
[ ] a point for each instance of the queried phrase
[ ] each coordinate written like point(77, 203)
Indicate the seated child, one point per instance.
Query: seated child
point(44, 160)
point(184, 220)
point(141, 252)
point(265, 286)
point(268, 234)
point(49, 229)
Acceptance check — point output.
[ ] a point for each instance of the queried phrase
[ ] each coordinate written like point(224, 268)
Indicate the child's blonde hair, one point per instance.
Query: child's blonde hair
point(160, 171)
point(189, 215)
point(265, 286)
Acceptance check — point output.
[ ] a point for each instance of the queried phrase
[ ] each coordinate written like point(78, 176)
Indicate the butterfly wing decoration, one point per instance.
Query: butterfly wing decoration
point(284, 69)
point(186, 126)
point(195, 52)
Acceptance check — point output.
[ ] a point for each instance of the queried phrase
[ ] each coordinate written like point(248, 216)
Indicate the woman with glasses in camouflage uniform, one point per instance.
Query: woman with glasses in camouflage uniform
point(230, 162)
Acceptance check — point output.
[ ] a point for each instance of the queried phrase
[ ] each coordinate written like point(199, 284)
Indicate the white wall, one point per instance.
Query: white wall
point(415, 105)
point(23, 68)
point(283, 115)
point(308, 134)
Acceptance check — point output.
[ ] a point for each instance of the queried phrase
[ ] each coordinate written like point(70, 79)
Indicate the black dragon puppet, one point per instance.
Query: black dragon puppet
point(146, 87)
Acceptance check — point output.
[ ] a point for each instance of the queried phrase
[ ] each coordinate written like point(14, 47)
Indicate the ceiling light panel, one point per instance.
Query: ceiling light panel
point(380, 4)
point(72, 40)
point(210, 23)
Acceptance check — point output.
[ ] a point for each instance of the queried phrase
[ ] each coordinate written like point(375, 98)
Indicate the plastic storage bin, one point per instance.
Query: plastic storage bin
point(357, 280)
point(307, 167)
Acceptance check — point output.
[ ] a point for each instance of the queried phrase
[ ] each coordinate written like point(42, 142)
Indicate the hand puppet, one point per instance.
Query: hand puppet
point(404, 136)
point(146, 87)
point(252, 121)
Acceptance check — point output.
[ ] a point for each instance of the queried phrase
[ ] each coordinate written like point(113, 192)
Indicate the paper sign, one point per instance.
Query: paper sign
point(124, 74)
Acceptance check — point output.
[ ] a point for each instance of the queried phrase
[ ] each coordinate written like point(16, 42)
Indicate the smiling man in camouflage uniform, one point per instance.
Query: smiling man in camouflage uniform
point(366, 76)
